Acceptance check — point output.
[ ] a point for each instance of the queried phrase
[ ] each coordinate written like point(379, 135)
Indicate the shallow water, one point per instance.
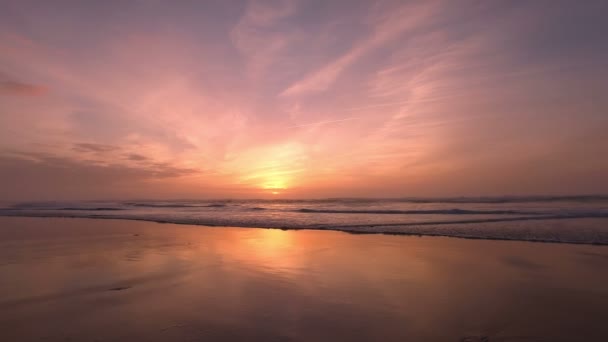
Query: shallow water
point(575, 219)
point(113, 280)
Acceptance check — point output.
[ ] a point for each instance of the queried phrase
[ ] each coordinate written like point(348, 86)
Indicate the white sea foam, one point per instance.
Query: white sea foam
point(581, 219)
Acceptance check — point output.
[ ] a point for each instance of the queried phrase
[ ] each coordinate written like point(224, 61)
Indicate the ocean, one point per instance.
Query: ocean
point(568, 219)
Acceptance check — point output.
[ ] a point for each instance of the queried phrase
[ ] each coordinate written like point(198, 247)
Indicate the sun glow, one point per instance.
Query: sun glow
point(273, 182)
point(273, 168)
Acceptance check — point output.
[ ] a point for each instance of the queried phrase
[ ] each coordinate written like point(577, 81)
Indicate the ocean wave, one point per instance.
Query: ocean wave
point(290, 204)
point(427, 200)
point(66, 208)
point(419, 212)
point(176, 205)
point(517, 199)
point(91, 209)
point(452, 217)
point(527, 228)
point(470, 221)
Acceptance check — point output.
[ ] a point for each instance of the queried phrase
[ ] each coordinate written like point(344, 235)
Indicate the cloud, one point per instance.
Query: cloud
point(266, 12)
point(136, 157)
point(89, 147)
point(257, 39)
point(320, 123)
point(386, 26)
point(41, 175)
point(407, 93)
point(18, 88)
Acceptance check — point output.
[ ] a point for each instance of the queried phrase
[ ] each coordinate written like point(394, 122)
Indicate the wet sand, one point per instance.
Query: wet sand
point(115, 280)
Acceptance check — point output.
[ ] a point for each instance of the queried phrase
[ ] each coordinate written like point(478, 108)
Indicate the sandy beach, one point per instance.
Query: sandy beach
point(292, 170)
point(114, 280)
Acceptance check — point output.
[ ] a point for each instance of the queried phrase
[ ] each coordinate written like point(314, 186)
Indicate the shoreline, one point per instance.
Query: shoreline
point(124, 280)
point(348, 231)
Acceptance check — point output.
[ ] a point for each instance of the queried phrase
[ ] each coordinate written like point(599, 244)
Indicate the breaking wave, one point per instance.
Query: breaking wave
point(419, 212)
point(574, 219)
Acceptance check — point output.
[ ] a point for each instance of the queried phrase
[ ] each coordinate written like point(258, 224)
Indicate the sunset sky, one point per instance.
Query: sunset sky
point(302, 99)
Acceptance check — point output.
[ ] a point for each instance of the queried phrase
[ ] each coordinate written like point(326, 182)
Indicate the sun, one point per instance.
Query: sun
point(273, 181)
point(271, 170)
point(275, 191)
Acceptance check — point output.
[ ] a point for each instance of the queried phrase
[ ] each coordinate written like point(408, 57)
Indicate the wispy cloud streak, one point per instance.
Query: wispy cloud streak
point(229, 99)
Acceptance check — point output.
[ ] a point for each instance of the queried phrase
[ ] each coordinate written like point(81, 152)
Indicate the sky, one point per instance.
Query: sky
point(302, 99)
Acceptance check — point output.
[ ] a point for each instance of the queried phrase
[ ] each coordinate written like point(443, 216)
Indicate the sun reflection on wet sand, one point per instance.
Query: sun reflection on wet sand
point(123, 280)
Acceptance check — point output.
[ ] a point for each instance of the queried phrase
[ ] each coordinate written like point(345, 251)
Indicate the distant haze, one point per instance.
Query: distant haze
point(301, 99)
